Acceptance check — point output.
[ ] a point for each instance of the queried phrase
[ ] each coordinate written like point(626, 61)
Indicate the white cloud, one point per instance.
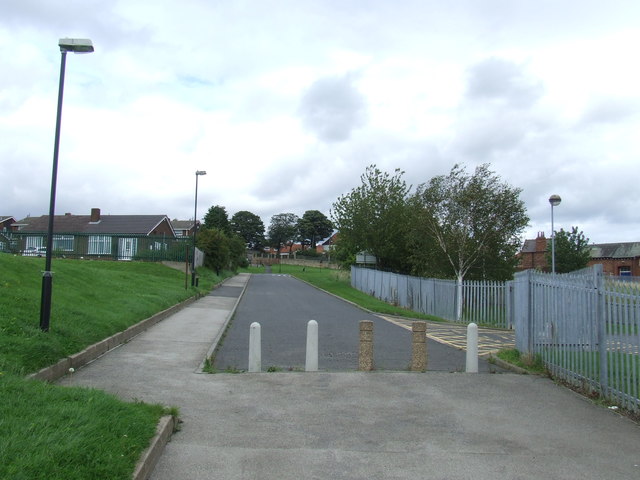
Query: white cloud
point(285, 103)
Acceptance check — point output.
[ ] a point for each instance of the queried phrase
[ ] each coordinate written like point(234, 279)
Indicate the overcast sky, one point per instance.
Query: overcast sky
point(285, 103)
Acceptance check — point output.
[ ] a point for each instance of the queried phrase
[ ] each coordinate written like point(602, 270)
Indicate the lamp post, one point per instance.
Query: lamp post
point(75, 45)
point(195, 230)
point(554, 200)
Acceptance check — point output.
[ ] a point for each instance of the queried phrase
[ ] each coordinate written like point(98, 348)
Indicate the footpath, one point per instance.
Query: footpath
point(354, 425)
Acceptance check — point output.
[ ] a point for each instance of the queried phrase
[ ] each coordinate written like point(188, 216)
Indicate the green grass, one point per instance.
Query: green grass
point(531, 363)
point(338, 282)
point(51, 432)
point(91, 300)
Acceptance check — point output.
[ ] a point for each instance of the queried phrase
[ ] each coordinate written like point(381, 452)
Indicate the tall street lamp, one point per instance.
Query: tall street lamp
point(554, 200)
point(75, 45)
point(195, 230)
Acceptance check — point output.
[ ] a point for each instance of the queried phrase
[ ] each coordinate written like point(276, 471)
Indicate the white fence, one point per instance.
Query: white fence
point(485, 303)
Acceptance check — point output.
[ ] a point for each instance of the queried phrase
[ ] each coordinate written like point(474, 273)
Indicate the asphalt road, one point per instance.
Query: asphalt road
point(283, 305)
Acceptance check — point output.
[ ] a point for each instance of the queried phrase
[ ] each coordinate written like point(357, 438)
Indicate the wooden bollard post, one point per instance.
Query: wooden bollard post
point(419, 347)
point(365, 358)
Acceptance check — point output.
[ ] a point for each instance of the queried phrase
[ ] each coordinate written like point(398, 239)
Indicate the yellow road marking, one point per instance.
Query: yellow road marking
point(489, 340)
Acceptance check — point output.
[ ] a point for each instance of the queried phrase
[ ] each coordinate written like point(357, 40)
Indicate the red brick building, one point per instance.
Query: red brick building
point(532, 254)
point(615, 258)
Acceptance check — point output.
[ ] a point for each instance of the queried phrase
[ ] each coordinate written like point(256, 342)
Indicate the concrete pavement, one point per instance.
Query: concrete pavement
point(355, 425)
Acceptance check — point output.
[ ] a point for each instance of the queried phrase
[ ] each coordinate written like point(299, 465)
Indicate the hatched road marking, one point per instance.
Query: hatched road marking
point(490, 340)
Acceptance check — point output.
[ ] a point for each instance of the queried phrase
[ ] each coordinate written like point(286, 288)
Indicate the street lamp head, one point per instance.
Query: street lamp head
point(200, 172)
point(555, 200)
point(75, 45)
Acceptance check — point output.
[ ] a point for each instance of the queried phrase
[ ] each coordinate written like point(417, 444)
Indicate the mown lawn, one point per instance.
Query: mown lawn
point(51, 432)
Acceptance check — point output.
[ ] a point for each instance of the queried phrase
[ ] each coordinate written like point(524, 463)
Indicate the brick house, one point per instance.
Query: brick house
point(533, 253)
point(183, 228)
point(615, 258)
point(97, 235)
point(6, 223)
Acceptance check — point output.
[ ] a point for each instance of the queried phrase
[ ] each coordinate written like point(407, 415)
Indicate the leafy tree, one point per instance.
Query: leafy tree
point(314, 226)
point(217, 217)
point(237, 252)
point(374, 217)
point(282, 230)
point(473, 220)
point(571, 251)
point(215, 245)
point(249, 226)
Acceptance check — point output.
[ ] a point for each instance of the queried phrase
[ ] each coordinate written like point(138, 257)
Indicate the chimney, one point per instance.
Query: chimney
point(95, 215)
point(541, 242)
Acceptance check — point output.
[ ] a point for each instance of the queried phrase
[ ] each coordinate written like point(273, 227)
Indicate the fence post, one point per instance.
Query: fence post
point(419, 347)
point(311, 363)
point(472, 348)
point(365, 357)
point(255, 353)
point(601, 319)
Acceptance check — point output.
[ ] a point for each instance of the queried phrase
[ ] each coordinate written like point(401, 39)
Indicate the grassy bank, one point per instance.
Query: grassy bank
point(51, 432)
point(91, 300)
point(338, 282)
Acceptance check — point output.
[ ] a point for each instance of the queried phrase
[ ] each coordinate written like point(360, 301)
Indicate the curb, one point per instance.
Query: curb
point(151, 455)
point(89, 354)
point(508, 366)
point(223, 330)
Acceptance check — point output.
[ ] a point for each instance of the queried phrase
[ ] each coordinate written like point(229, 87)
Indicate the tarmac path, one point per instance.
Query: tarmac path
point(283, 305)
point(355, 425)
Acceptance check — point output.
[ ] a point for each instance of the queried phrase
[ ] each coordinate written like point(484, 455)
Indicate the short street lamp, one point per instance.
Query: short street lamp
point(195, 230)
point(75, 45)
point(554, 200)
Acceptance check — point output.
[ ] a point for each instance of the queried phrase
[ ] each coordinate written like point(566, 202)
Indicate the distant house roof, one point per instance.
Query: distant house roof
point(529, 246)
point(182, 224)
point(131, 224)
point(616, 250)
point(6, 217)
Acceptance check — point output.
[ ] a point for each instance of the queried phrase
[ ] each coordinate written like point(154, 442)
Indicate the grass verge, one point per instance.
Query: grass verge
point(51, 432)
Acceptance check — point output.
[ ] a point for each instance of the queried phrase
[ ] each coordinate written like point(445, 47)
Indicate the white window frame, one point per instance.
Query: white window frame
point(99, 245)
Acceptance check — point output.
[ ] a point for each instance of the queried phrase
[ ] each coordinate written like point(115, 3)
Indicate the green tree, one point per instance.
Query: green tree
point(314, 226)
point(571, 251)
point(250, 227)
point(237, 252)
point(374, 218)
point(473, 221)
point(217, 217)
point(283, 230)
point(215, 245)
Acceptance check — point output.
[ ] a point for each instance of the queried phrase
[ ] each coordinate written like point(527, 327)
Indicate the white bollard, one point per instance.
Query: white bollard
point(255, 354)
point(311, 364)
point(472, 348)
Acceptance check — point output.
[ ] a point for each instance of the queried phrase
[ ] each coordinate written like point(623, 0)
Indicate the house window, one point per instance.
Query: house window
point(63, 243)
point(99, 245)
point(34, 242)
point(624, 271)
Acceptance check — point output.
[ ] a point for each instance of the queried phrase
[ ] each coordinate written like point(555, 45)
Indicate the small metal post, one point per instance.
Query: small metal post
point(311, 363)
point(472, 348)
point(255, 353)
